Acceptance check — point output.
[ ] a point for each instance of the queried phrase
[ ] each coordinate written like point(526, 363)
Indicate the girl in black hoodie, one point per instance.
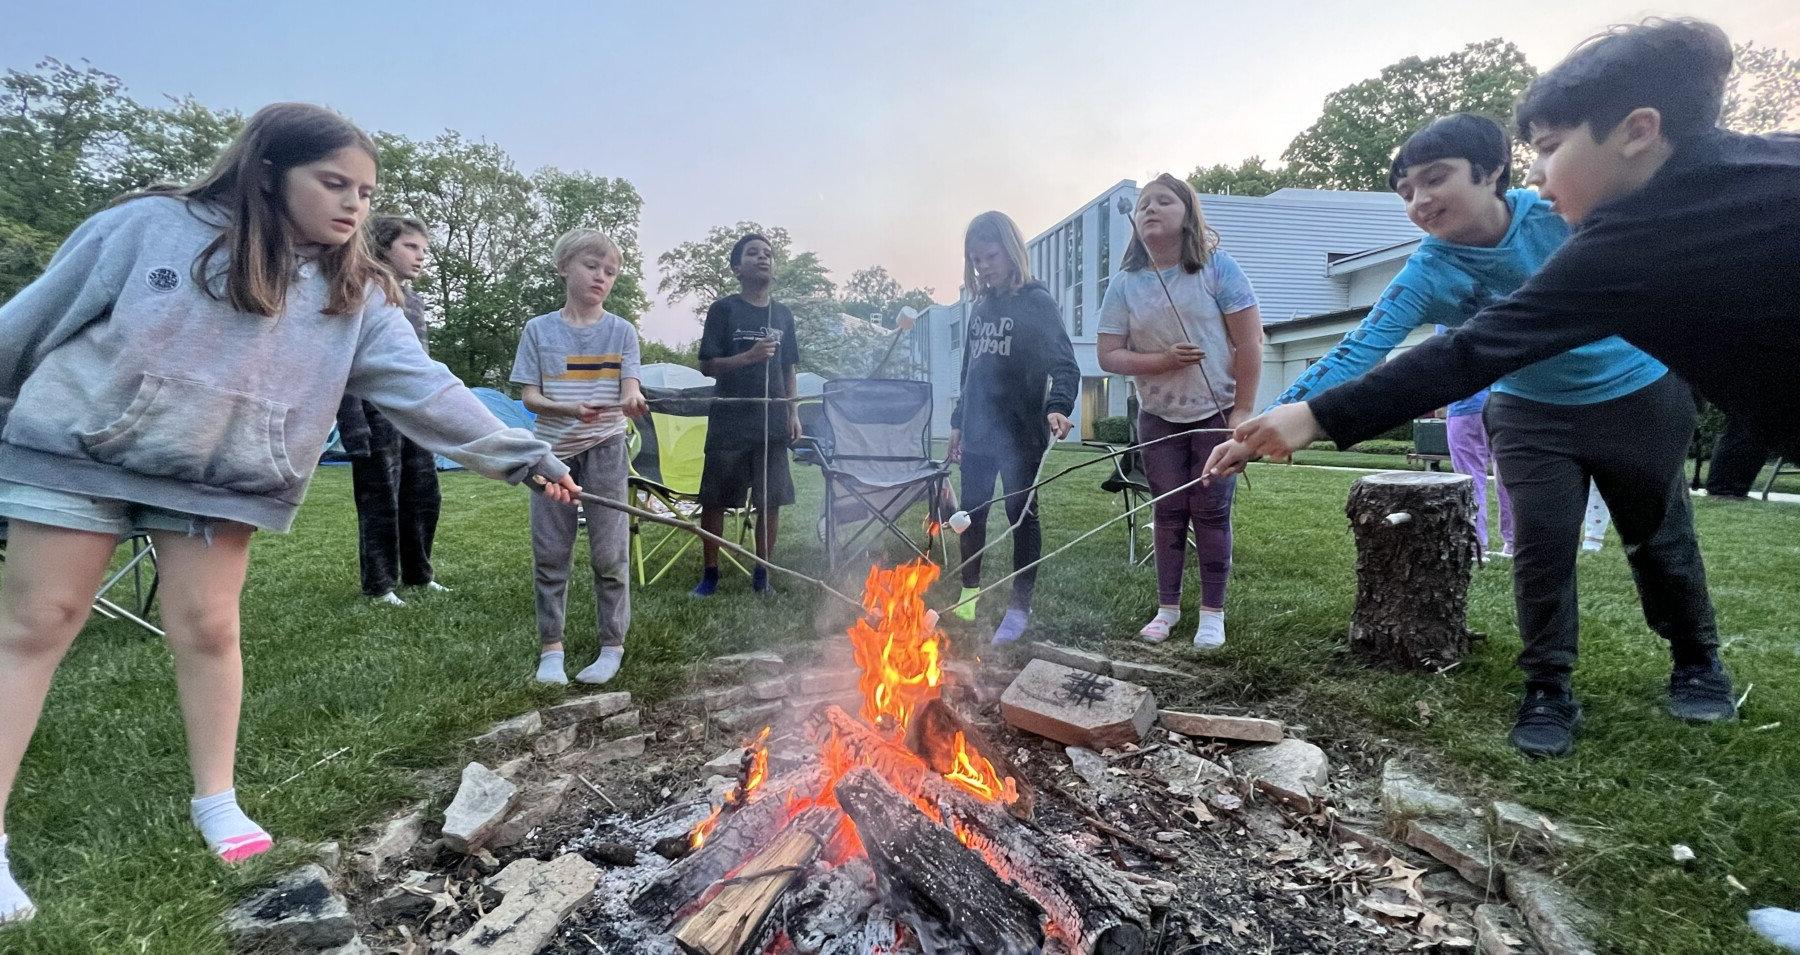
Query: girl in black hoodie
point(1019, 379)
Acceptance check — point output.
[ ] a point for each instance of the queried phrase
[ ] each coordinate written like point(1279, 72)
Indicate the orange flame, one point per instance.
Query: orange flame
point(748, 783)
point(896, 647)
point(975, 773)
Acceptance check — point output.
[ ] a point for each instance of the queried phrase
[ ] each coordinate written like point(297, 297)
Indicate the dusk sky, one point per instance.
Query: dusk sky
point(871, 131)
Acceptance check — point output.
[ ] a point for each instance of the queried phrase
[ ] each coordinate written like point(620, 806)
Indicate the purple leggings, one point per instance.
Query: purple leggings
point(1207, 507)
point(1470, 454)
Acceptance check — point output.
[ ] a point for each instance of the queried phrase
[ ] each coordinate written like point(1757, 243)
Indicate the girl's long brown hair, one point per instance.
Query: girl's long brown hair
point(996, 227)
point(246, 183)
point(1197, 239)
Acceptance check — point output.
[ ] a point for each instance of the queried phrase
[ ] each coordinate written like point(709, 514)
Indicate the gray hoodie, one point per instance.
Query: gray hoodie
point(120, 378)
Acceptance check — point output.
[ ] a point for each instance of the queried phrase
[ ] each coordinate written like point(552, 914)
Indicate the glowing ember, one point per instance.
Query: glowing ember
point(750, 778)
point(897, 646)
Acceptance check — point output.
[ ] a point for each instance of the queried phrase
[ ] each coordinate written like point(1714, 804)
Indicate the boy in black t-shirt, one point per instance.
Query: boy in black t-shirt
point(749, 348)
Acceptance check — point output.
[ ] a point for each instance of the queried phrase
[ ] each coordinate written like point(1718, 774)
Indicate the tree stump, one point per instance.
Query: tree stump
point(1415, 542)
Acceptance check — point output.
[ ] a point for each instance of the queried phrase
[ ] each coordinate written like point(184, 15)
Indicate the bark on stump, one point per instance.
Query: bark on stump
point(1415, 543)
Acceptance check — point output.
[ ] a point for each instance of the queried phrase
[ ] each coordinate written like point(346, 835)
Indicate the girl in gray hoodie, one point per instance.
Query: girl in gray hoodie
point(175, 371)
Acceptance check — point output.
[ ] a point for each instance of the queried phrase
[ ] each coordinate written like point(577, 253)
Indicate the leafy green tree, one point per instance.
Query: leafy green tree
point(1764, 93)
point(872, 294)
point(699, 271)
point(1252, 177)
point(1353, 141)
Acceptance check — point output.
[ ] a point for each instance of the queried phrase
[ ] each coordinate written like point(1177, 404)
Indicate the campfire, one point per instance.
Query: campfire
point(905, 788)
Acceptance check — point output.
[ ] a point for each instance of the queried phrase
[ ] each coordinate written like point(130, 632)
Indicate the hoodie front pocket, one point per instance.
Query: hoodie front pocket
point(190, 431)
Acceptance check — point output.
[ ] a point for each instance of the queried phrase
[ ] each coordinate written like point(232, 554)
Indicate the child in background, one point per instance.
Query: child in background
point(1004, 418)
point(1189, 361)
point(394, 479)
point(578, 371)
point(176, 370)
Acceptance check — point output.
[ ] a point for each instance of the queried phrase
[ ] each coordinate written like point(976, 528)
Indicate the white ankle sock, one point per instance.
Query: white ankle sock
point(550, 667)
point(390, 598)
point(1157, 630)
point(228, 831)
point(604, 667)
point(1211, 633)
point(436, 587)
point(15, 905)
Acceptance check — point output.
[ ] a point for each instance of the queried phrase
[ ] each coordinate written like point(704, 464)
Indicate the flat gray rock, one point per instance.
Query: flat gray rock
point(628, 720)
point(1146, 672)
point(397, 838)
point(511, 732)
point(1292, 770)
point(527, 919)
point(556, 741)
point(1077, 707)
point(301, 911)
point(1515, 828)
point(1184, 773)
point(1557, 921)
point(1405, 795)
point(1499, 930)
point(1212, 726)
point(481, 803)
point(1072, 658)
point(537, 806)
point(583, 708)
point(748, 718)
point(1460, 844)
point(744, 666)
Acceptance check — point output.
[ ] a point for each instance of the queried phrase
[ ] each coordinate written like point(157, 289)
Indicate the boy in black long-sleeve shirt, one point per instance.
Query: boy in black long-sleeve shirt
point(1004, 418)
point(1687, 245)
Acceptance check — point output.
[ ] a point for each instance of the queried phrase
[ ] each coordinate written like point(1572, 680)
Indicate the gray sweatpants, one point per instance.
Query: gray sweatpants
point(600, 470)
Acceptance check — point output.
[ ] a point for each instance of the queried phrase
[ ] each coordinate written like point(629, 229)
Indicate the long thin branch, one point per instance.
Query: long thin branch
point(538, 483)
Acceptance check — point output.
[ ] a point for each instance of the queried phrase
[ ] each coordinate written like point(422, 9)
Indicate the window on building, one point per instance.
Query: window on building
point(956, 335)
point(1071, 243)
point(1103, 246)
point(1077, 331)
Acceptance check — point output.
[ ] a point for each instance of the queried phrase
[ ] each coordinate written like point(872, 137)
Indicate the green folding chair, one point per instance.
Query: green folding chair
point(668, 454)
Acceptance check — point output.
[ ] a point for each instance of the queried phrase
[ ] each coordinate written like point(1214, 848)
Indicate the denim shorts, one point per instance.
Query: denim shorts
point(101, 515)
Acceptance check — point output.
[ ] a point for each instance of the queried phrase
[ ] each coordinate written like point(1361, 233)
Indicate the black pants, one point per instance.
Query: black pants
point(1016, 470)
point(1634, 448)
point(1738, 458)
point(397, 503)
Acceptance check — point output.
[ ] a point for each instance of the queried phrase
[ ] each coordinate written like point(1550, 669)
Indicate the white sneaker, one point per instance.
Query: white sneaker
point(436, 587)
point(389, 599)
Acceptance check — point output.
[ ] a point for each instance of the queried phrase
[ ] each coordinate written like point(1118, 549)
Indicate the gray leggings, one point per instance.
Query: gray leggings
point(600, 470)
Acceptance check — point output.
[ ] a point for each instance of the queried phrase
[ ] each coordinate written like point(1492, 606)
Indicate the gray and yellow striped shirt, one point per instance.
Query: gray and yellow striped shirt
point(577, 364)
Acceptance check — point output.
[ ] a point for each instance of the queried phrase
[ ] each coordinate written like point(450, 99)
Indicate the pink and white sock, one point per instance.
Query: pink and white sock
point(15, 905)
point(227, 830)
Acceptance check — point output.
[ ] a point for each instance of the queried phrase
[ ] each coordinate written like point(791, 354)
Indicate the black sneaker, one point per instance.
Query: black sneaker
point(1701, 693)
point(1547, 722)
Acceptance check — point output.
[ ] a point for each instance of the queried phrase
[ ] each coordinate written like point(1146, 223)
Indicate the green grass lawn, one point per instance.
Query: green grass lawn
point(99, 825)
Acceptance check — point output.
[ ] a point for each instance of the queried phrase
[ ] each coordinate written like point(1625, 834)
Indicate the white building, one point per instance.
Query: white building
point(1317, 258)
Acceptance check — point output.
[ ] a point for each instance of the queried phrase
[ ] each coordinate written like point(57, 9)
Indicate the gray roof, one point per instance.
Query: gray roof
point(1283, 241)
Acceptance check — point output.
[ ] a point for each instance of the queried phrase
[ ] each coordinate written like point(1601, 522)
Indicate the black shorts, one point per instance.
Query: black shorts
point(732, 474)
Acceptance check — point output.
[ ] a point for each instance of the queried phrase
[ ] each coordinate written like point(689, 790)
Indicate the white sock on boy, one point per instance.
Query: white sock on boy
point(604, 667)
point(227, 830)
point(550, 667)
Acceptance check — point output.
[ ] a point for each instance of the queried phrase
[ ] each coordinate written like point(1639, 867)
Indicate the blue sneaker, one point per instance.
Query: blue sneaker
point(759, 582)
point(709, 582)
point(1012, 626)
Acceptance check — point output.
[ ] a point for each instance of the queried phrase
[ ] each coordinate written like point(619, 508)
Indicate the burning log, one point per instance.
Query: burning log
point(949, 745)
point(923, 867)
point(738, 835)
point(1091, 906)
point(731, 922)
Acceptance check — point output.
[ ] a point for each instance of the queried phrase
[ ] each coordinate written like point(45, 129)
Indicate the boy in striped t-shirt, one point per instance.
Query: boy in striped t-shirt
point(578, 370)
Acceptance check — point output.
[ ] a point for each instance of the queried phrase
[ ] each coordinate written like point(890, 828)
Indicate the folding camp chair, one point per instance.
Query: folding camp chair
point(140, 566)
point(1127, 480)
point(665, 475)
point(1780, 464)
point(874, 448)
